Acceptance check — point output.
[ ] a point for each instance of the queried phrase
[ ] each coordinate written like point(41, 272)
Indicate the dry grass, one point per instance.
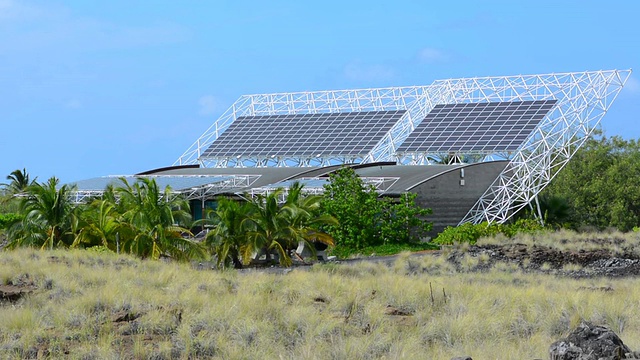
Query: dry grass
point(418, 308)
point(568, 240)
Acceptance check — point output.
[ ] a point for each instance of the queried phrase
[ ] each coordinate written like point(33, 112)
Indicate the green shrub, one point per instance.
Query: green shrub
point(366, 220)
point(470, 233)
point(465, 233)
point(8, 219)
point(522, 226)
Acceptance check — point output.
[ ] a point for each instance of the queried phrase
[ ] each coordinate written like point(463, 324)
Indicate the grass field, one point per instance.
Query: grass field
point(89, 305)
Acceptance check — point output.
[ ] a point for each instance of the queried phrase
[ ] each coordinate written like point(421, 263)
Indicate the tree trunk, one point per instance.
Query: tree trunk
point(237, 264)
point(267, 255)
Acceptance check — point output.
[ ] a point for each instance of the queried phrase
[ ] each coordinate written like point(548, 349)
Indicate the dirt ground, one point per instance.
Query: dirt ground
point(601, 261)
point(583, 263)
point(578, 264)
point(605, 260)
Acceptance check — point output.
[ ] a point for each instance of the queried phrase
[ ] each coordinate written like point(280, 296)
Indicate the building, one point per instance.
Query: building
point(474, 149)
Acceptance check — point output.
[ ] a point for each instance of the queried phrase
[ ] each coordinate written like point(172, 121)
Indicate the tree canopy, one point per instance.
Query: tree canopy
point(142, 219)
point(265, 224)
point(137, 218)
point(366, 220)
point(19, 181)
point(47, 217)
point(600, 184)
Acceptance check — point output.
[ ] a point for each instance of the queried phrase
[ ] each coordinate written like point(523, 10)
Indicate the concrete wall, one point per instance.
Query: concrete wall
point(452, 194)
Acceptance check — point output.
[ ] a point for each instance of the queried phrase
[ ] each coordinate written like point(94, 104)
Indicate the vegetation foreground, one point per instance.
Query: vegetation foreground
point(89, 305)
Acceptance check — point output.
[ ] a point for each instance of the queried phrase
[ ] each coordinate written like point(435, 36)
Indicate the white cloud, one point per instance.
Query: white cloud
point(209, 105)
point(633, 85)
point(19, 12)
point(73, 104)
point(52, 28)
point(429, 55)
point(9, 10)
point(5, 6)
point(358, 71)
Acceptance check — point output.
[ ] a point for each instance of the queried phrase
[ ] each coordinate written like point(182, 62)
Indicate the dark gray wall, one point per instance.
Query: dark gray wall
point(449, 199)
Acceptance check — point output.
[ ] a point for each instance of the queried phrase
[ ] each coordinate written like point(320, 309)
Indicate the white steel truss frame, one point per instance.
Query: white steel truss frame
point(583, 99)
point(410, 98)
point(380, 184)
point(234, 183)
point(210, 190)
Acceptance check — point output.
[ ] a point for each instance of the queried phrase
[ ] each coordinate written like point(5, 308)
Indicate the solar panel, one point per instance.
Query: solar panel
point(347, 134)
point(486, 127)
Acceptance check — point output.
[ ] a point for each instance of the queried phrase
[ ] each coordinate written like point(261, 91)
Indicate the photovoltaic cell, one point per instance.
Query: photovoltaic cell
point(485, 127)
point(344, 134)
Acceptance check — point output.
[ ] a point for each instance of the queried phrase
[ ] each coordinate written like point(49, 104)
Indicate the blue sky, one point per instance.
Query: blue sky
point(118, 87)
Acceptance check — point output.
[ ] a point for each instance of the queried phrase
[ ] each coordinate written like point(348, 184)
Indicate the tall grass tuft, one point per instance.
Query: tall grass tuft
point(105, 306)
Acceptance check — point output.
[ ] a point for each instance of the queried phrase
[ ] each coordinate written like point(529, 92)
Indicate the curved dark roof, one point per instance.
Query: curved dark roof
point(268, 175)
point(166, 168)
point(408, 175)
point(402, 178)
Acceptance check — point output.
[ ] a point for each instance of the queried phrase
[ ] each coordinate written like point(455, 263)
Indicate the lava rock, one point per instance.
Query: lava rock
point(13, 293)
point(589, 342)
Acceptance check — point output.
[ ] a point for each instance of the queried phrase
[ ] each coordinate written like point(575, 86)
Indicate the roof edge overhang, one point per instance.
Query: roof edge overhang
point(167, 168)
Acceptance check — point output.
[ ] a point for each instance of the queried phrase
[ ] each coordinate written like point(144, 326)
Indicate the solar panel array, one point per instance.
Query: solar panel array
point(482, 127)
point(344, 134)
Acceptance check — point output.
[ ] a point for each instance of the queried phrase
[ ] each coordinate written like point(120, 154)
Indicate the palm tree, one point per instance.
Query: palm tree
point(305, 214)
point(9, 192)
point(269, 226)
point(157, 218)
point(47, 217)
point(280, 228)
point(228, 238)
point(19, 182)
point(99, 225)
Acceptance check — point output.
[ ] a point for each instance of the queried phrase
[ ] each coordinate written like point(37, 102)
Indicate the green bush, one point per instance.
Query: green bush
point(8, 219)
point(470, 233)
point(100, 249)
point(522, 226)
point(466, 233)
point(366, 220)
point(598, 186)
